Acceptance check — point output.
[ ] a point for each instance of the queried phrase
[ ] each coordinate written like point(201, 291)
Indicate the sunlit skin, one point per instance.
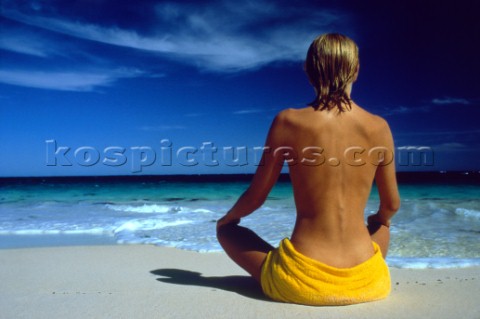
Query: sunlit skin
point(330, 198)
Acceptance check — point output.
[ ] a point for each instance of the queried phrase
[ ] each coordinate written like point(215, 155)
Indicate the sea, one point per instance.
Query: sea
point(437, 226)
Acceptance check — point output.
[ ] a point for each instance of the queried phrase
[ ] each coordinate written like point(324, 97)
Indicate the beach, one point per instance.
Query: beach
point(118, 247)
point(145, 281)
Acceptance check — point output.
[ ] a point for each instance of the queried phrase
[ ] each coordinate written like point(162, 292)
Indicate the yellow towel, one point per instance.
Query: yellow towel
point(289, 276)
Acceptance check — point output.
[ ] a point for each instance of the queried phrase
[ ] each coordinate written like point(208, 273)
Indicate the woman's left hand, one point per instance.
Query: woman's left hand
point(227, 219)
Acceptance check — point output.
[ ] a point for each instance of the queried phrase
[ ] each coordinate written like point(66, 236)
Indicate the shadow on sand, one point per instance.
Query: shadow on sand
point(243, 285)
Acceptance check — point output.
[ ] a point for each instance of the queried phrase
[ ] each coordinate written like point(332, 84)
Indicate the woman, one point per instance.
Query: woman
point(335, 150)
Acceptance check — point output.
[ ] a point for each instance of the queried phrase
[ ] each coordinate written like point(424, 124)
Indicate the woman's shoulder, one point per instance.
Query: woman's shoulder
point(292, 114)
point(291, 118)
point(374, 120)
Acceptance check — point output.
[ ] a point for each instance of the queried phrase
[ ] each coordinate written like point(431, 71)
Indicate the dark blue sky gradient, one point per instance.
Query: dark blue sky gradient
point(125, 74)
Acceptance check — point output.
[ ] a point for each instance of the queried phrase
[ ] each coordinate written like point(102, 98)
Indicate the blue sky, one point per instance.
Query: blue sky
point(162, 87)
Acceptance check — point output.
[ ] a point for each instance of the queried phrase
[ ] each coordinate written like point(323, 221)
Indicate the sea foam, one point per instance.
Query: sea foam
point(146, 208)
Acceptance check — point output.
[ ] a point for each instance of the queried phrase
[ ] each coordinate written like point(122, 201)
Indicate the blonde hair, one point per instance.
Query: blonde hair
point(331, 64)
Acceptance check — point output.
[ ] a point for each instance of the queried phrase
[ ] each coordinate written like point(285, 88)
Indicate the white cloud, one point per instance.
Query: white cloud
point(162, 128)
point(194, 114)
point(450, 100)
point(24, 43)
point(454, 147)
point(405, 110)
point(249, 111)
point(397, 110)
point(64, 80)
point(221, 36)
point(424, 108)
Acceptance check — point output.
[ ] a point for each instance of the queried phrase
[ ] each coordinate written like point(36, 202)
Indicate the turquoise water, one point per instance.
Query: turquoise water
point(438, 225)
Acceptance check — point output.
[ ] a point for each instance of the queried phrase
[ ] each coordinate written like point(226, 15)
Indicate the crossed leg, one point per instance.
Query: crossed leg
point(249, 251)
point(244, 247)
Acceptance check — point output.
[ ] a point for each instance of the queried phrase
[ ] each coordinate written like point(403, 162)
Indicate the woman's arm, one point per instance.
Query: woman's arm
point(385, 178)
point(264, 179)
point(386, 181)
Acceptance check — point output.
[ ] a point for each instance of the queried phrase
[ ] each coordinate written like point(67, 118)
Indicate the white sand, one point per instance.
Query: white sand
point(152, 282)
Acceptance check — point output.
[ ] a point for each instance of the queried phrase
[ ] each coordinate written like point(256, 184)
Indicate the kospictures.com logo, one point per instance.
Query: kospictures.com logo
point(208, 154)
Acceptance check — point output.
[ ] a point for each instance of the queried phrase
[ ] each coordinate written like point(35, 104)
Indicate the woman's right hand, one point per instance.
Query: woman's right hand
point(379, 232)
point(376, 219)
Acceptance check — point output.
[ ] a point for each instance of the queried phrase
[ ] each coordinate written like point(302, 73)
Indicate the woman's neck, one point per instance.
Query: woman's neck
point(348, 89)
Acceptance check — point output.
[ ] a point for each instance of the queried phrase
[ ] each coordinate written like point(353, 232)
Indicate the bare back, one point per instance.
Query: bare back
point(332, 176)
point(334, 154)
